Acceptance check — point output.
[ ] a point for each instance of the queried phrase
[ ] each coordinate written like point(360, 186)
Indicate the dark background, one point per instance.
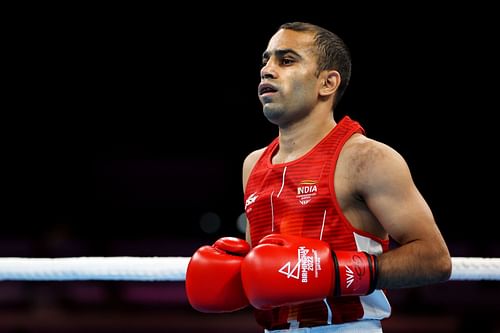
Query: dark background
point(125, 126)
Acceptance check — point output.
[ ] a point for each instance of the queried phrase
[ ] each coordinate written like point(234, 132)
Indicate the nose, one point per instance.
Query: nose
point(268, 71)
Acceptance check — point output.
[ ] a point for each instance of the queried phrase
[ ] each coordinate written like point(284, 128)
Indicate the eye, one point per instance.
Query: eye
point(287, 61)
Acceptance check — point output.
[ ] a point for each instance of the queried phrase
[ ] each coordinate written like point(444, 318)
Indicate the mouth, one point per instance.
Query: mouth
point(266, 89)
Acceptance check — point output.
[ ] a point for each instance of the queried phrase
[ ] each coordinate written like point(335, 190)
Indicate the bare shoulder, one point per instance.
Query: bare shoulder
point(249, 163)
point(361, 148)
point(371, 161)
point(252, 158)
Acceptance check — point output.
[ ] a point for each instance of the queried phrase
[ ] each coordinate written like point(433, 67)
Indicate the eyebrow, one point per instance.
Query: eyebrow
point(280, 53)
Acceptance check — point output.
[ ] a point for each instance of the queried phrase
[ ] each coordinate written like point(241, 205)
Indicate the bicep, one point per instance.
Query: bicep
point(247, 234)
point(248, 165)
point(392, 196)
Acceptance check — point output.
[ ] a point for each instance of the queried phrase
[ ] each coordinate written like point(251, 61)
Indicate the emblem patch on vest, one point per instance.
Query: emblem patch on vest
point(306, 191)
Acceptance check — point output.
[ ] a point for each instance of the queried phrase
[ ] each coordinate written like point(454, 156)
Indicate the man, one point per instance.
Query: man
point(322, 201)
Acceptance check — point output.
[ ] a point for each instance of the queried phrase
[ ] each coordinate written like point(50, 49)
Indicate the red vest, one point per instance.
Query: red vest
point(298, 198)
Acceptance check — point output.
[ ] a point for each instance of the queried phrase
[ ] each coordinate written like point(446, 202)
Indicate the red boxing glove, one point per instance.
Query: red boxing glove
point(284, 270)
point(213, 277)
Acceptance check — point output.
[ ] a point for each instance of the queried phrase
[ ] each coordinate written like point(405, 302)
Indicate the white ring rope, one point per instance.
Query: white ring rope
point(170, 268)
point(94, 268)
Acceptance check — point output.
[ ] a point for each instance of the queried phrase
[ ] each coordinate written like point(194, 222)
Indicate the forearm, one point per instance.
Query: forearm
point(413, 264)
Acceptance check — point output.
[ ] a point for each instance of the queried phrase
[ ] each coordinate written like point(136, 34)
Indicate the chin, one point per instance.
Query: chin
point(273, 114)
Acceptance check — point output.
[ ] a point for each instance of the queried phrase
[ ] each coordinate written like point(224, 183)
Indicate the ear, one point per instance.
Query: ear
point(330, 83)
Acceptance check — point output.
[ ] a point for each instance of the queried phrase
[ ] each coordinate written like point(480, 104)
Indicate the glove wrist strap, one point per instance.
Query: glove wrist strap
point(356, 273)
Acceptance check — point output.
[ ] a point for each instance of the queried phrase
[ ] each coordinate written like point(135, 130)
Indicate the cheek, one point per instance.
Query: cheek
point(303, 90)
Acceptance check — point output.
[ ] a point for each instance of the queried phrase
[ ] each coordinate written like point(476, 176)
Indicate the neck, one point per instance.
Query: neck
point(296, 140)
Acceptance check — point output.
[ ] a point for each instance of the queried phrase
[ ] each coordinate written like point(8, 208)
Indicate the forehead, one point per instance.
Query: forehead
point(301, 42)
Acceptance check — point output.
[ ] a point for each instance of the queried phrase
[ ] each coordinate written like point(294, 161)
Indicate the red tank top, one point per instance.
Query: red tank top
point(298, 198)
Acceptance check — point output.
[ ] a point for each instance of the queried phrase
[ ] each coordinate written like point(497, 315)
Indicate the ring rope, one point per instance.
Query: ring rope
point(171, 268)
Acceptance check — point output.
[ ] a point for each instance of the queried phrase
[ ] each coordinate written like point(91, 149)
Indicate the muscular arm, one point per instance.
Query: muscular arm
point(386, 186)
point(248, 165)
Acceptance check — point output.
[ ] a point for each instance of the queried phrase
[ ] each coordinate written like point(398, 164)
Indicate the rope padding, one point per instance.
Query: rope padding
point(170, 268)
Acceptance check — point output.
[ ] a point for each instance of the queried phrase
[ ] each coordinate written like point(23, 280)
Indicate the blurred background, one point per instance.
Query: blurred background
point(125, 128)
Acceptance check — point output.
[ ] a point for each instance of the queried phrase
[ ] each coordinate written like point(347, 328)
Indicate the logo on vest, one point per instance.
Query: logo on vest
point(250, 200)
point(306, 191)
